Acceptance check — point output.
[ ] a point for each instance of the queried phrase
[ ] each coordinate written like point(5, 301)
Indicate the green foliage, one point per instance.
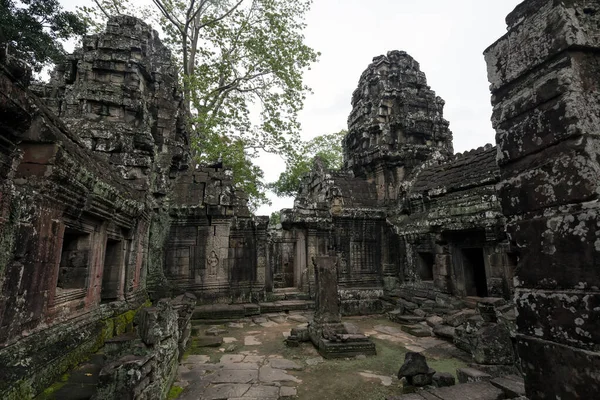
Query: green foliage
point(242, 63)
point(32, 30)
point(275, 218)
point(95, 15)
point(327, 147)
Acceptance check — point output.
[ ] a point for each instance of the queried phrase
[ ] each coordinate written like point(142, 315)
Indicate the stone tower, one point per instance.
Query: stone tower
point(396, 124)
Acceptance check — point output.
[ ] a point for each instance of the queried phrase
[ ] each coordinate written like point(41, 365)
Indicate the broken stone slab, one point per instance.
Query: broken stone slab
point(262, 392)
point(444, 331)
point(409, 319)
point(233, 376)
point(394, 314)
point(282, 363)
point(269, 374)
point(466, 375)
point(443, 379)
point(512, 385)
point(417, 330)
point(434, 320)
point(287, 392)
point(459, 318)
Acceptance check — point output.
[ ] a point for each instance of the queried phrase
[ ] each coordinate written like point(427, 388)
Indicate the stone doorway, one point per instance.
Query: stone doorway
point(111, 275)
point(473, 266)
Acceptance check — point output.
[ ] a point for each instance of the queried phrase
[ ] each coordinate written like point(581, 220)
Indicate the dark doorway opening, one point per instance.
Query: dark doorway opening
point(474, 269)
point(425, 263)
point(111, 275)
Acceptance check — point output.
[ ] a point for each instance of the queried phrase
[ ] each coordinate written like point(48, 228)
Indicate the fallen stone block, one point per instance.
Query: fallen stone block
point(417, 330)
point(466, 375)
point(443, 379)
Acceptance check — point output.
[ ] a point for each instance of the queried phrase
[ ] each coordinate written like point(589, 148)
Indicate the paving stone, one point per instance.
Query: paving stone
point(225, 391)
point(232, 358)
point(259, 320)
point(269, 374)
point(254, 359)
point(228, 340)
point(262, 391)
point(269, 324)
point(236, 325)
point(251, 341)
point(287, 391)
point(284, 364)
point(233, 376)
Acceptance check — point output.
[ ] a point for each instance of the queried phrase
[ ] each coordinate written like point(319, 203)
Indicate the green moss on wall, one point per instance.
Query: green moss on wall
point(174, 392)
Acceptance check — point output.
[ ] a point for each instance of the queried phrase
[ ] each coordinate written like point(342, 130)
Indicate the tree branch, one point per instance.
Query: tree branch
point(101, 8)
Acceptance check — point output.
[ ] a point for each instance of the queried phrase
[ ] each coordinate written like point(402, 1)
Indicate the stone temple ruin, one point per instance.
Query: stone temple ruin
point(496, 249)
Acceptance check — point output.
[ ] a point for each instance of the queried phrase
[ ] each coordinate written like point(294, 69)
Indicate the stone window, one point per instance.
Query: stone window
point(425, 262)
point(362, 255)
point(73, 270)
point(113, 270)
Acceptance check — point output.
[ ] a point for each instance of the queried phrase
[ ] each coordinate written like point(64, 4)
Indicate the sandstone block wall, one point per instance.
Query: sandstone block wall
point(544, 80)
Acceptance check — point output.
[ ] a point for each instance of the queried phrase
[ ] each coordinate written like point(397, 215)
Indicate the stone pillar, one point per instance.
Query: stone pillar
point(331, 337)
point(544, 79)
point(261, 224)
point(327, 300)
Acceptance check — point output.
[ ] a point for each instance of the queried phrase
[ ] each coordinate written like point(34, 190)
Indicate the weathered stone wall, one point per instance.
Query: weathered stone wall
point(544, 81)
point(214, 248)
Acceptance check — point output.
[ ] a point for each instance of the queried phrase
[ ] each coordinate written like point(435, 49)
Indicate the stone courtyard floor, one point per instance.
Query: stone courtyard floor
point(248, 359)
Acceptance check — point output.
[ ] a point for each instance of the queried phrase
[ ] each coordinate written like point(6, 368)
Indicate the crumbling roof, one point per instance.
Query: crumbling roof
point(469, 169)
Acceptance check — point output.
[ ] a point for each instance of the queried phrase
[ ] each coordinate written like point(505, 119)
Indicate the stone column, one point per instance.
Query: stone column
point(544, 79)
point(331, 337)
point(327, 300)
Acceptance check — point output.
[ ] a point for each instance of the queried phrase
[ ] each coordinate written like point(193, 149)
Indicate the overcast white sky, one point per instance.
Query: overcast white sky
point(446, 37)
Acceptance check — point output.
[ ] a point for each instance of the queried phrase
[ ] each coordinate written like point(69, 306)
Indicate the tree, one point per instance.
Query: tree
point(32, 30)
point(242, 63)
point(328, 147)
